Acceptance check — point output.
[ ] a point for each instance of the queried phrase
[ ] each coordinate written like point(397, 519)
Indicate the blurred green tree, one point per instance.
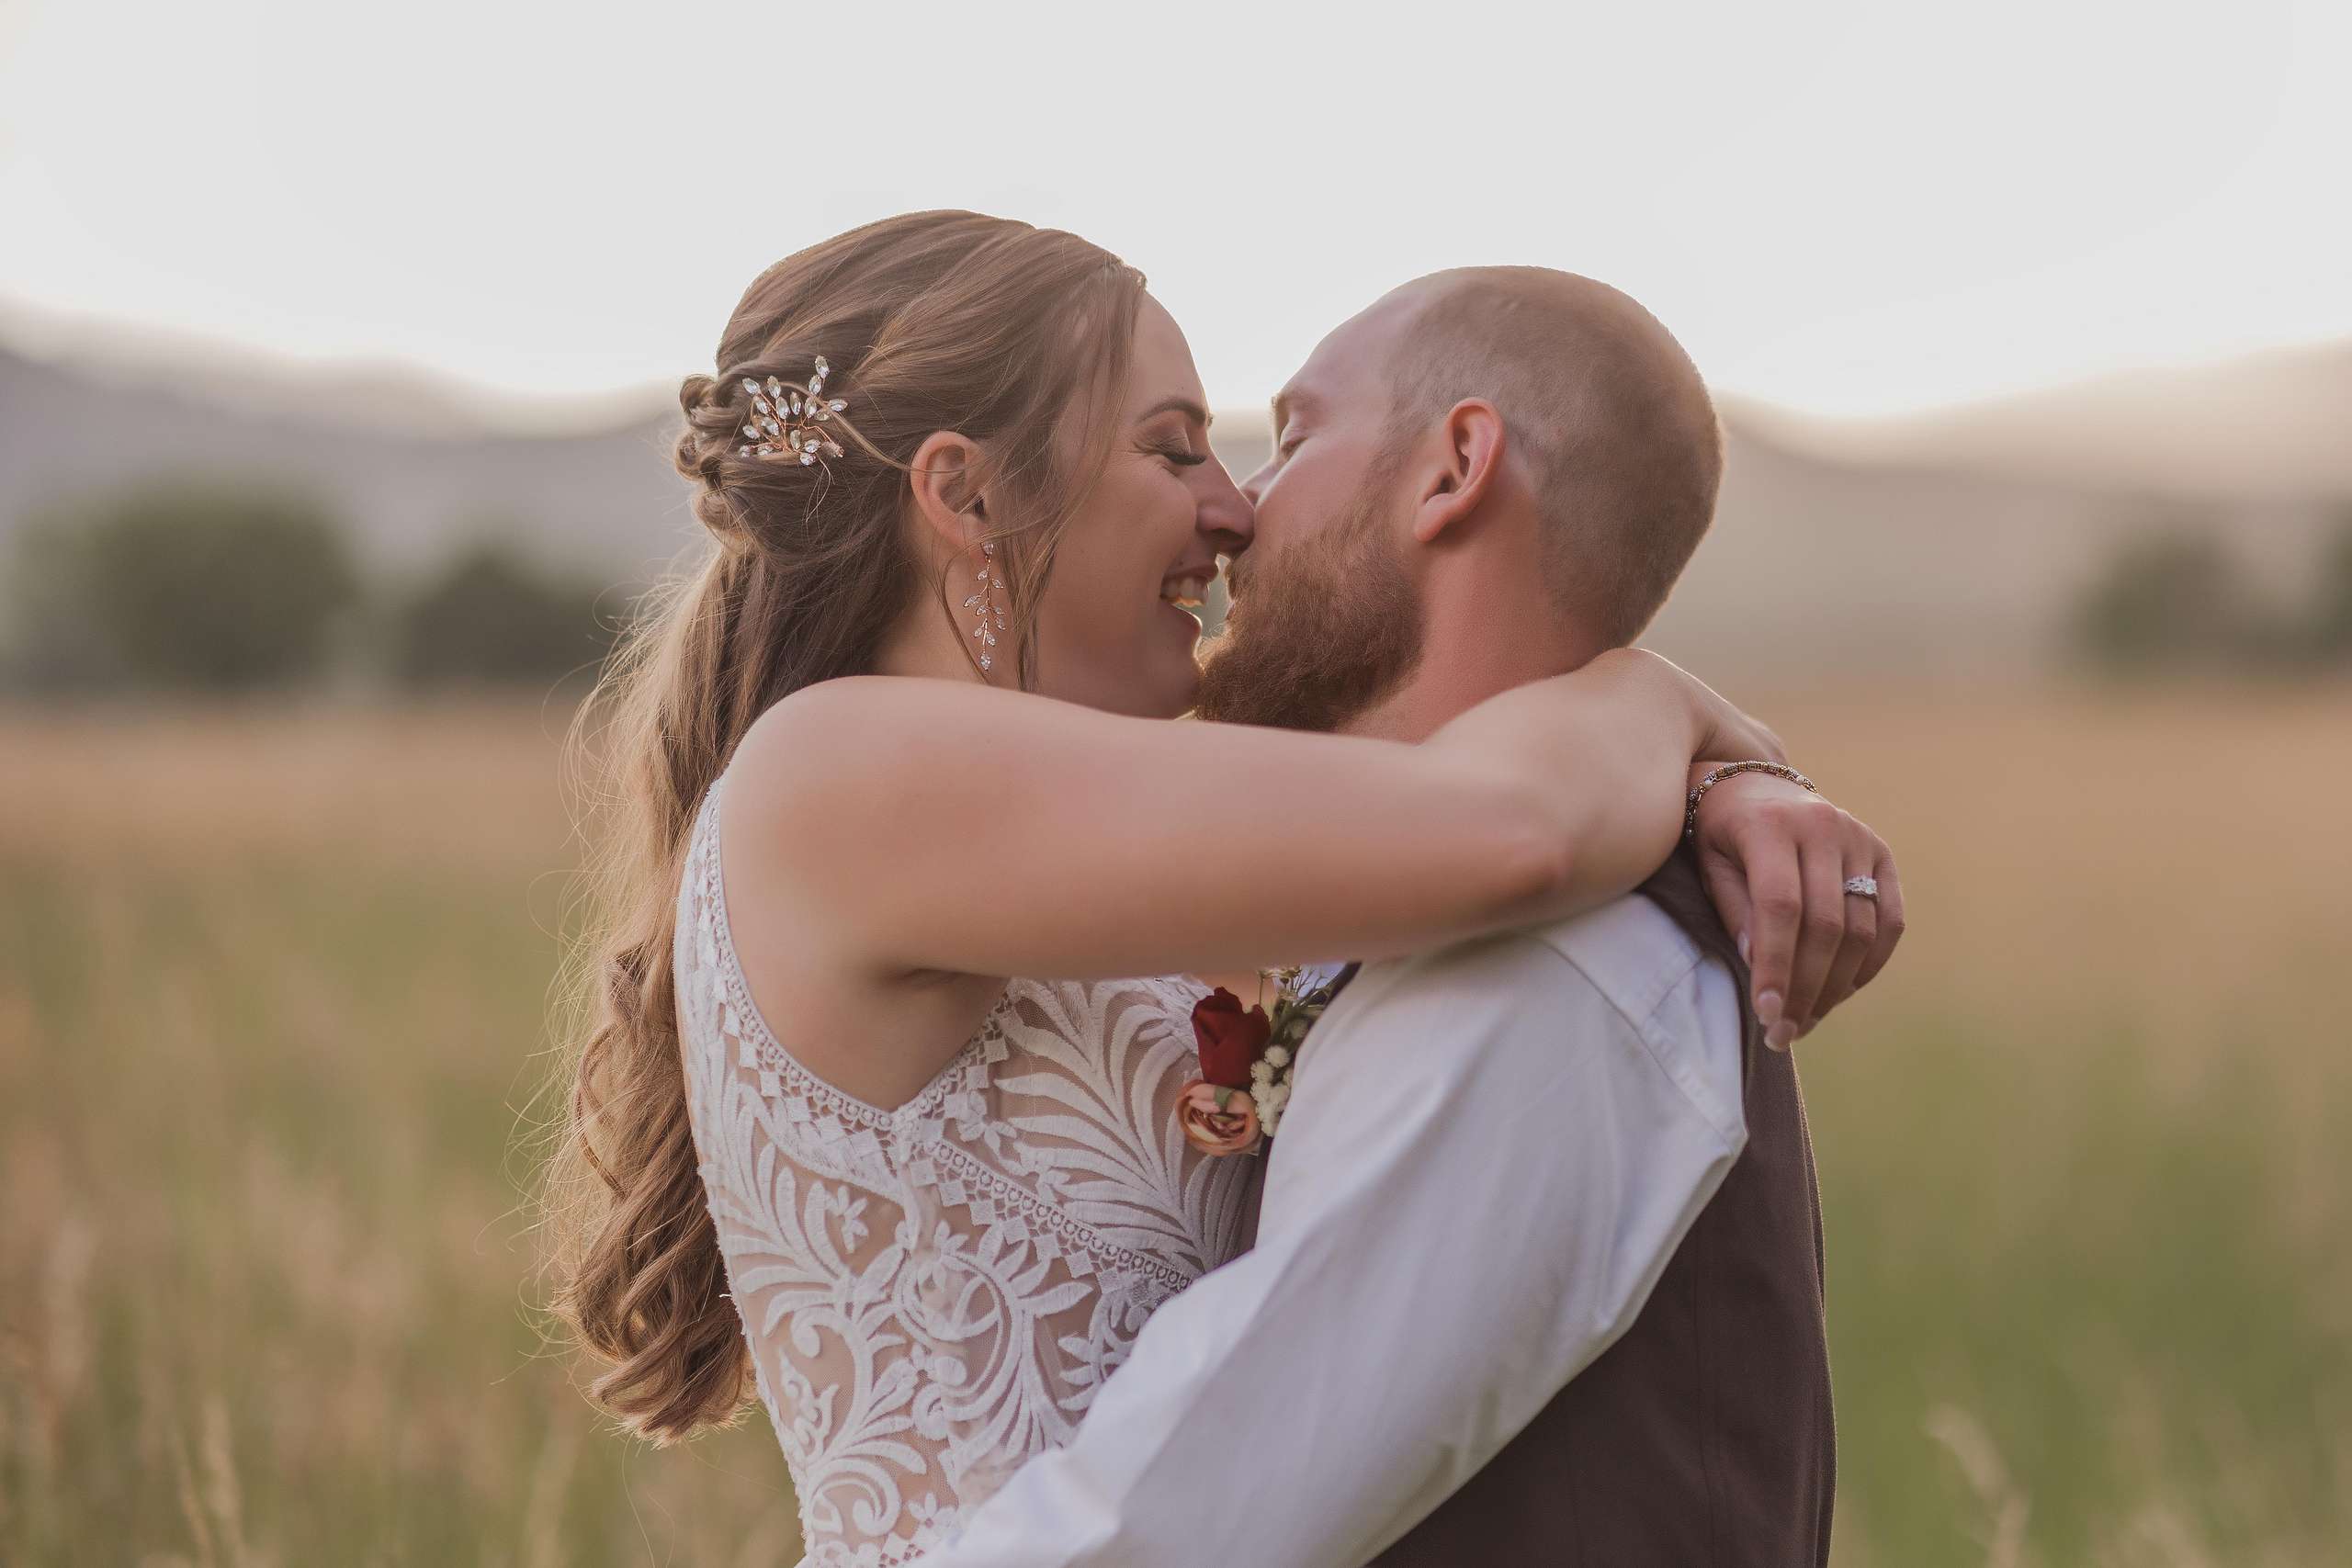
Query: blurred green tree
point(2331, 625)
point(2170, 601)
point(200, 583)
point(492, 618)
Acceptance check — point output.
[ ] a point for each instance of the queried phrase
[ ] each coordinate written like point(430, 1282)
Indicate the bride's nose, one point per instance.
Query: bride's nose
point(1225, 517)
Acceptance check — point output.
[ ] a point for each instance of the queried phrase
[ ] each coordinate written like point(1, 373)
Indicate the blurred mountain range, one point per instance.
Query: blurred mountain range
point(1933, 545)
point(418, 465)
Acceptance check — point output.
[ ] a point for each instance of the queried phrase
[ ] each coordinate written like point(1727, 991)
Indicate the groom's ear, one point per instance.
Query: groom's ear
point(944, 479)
point(1470, 441)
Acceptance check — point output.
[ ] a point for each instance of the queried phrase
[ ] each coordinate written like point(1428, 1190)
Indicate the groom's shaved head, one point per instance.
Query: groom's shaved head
point(1606, 412)
point(1610, 460)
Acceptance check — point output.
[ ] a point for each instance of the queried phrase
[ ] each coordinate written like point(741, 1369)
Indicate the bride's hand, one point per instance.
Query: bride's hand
point(1776, 857)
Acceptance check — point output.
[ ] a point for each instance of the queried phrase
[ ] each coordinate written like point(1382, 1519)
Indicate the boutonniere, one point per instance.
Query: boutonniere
point(1247, 1057)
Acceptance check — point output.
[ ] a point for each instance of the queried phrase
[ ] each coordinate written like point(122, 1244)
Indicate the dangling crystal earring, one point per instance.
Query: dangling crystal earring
point(984, 604)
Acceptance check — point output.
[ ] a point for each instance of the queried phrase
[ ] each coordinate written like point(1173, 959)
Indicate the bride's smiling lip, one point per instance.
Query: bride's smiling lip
point(1187, 587)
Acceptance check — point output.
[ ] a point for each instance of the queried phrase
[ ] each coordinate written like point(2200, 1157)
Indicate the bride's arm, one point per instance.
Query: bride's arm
point(926, 826)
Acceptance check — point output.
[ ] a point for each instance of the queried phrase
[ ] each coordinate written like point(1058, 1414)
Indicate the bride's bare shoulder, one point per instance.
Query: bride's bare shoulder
point(846, 723)
point(804, 815)
point(866, 733)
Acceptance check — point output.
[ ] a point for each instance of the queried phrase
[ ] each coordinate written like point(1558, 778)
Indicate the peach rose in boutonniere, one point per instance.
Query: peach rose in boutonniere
point(1217, 1121)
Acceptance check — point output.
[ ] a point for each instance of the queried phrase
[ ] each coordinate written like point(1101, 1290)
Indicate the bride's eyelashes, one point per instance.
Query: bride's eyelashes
point(1180, 453)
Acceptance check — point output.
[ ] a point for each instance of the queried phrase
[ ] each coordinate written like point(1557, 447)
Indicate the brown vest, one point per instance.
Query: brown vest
point(1704, 1438)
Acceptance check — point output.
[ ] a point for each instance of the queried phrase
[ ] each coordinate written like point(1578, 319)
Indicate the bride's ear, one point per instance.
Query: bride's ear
point(945, 481)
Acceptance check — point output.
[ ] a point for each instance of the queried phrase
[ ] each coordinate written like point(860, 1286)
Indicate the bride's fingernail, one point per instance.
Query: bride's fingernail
point(1780, 1034)
point(1768, 1007)
point(1742, 947)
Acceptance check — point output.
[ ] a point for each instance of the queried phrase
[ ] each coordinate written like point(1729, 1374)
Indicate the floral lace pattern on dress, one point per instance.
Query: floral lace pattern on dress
point(934, 1293)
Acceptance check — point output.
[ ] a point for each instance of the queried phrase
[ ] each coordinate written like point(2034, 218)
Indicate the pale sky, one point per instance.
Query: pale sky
point(1845, 208)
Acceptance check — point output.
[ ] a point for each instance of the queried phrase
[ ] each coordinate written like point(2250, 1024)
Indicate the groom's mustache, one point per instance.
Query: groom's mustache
point(1237, 574)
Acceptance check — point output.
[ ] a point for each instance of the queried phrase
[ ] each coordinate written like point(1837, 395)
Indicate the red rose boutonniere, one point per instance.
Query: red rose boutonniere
point(1217, 1112)
point(1246, 1057)
point(1230, 1037)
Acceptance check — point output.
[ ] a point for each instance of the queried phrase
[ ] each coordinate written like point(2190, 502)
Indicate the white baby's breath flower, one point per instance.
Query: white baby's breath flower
point(1270, 1075)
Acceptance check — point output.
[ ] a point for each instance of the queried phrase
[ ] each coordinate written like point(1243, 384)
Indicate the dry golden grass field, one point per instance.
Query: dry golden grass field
point(271, 1000)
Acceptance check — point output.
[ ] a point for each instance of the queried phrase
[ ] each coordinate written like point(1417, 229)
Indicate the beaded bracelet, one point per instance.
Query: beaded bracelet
point(1716, 775)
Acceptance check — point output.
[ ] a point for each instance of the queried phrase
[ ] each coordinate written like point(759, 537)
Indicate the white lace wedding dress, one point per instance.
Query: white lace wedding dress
point(934, 1293)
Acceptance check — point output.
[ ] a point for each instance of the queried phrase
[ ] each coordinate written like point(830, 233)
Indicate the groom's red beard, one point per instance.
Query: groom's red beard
point(1318, 634)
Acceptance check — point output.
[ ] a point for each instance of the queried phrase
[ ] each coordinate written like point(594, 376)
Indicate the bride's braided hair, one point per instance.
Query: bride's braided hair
point(1013, 335)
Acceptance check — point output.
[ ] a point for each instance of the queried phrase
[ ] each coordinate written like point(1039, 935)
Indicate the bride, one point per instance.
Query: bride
point(903, 735)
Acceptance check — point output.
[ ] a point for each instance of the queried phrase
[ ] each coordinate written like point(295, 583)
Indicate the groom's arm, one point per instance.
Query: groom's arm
point(1485, 1167)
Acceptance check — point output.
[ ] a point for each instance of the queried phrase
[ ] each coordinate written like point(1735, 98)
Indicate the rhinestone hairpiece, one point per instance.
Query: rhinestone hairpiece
point(784, 419)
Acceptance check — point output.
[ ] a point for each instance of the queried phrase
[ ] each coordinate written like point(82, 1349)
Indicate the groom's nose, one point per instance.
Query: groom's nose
point(1227, 517)
point(1255, 485)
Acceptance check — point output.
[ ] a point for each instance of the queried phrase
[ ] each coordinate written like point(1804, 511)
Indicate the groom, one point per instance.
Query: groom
point(1440, 1351)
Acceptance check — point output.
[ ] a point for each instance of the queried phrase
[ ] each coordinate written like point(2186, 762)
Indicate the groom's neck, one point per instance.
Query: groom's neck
point(1474, 648)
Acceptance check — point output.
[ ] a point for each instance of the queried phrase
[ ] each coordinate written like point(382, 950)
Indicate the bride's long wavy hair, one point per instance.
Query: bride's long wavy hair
point(1017, 337)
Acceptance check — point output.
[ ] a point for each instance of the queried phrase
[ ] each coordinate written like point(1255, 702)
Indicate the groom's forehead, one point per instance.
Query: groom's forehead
point(1357, 356)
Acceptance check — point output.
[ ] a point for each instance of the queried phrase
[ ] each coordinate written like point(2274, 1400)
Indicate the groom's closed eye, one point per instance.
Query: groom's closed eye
point(1289, 423)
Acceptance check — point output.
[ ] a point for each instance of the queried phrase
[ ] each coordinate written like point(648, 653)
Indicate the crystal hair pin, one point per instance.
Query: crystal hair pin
point(791, 416)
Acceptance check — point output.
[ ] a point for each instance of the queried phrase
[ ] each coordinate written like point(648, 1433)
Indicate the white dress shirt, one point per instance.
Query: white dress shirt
point(1489, 1156)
